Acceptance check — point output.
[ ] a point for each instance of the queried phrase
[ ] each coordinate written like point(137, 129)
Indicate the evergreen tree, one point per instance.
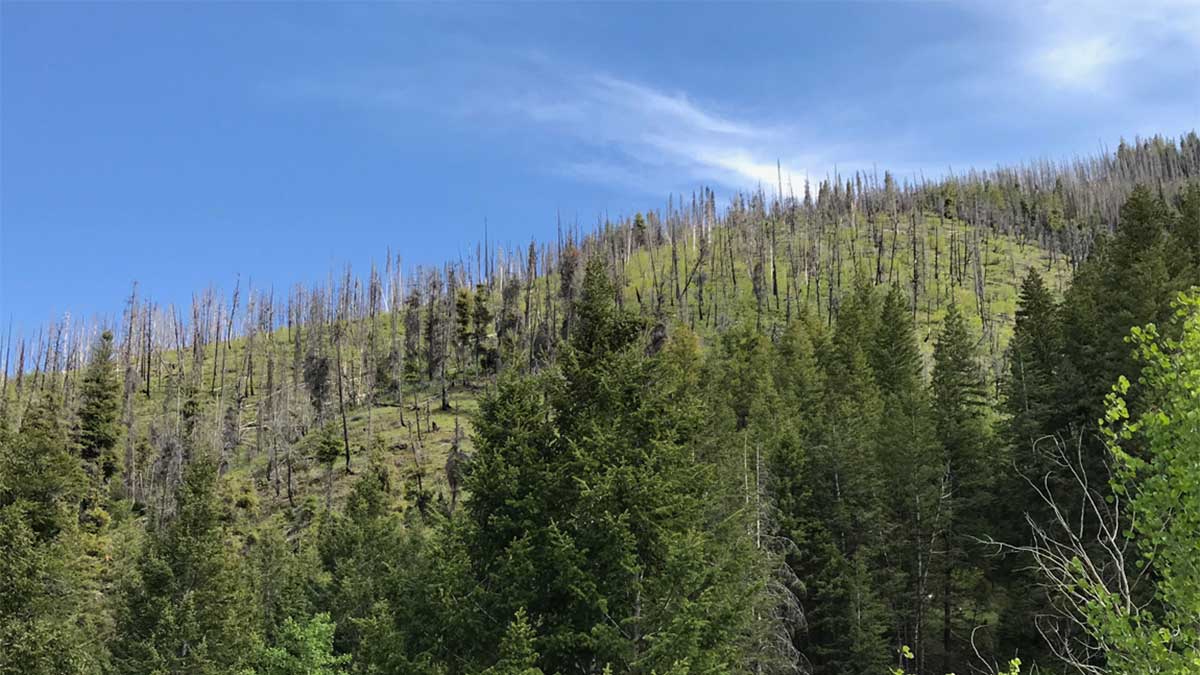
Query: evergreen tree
point(99, 409)
point(755, 440)
point(285, 576)
point(187, 608)
point(302, 648)
point(48, 619)
point(463, 338)
point(1125, 283)
point(517, 655)
point(960, 416)
point(588, 507)
point(1028, 392)
point(894, 354)
point(838, 533)
point(906, 447)
point(1184, 260)
point(481, 322)
point(1034, 356)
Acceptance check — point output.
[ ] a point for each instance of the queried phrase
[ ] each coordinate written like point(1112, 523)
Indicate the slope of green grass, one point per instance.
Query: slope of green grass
point(422, 457)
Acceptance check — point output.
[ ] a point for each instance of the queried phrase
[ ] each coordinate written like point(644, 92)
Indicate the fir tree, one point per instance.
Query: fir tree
point(1034, 356)
point(960, 416)
point(187, 608)
point(302, 648)
point(99, 409)
point(48, 619)
point(517, 653)
point(588, 506)
point(906, 446)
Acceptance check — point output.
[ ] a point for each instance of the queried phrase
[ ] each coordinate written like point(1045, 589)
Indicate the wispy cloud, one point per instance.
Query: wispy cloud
point(619, 131)
point(1100, 47)
point(664, 135)
point(1040, 70)
point(1077, 62)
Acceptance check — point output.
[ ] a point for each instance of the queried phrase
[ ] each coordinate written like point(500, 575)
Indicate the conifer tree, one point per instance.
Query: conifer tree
point(1184, 260)
point(1028, 396)
point(906, 446)
point(1034, 356)
point(960, 416)
point(99, 412)
point(587, 507)
point(1125, 283)
point(369, 562)
point(463, 338)
point(839, 535)
point(517, 654)
point(481, 322)
point(305, 648)
point(187, 608)
point(48, 620)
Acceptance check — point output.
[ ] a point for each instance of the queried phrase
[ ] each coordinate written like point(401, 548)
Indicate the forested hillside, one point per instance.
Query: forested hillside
point(834, 428)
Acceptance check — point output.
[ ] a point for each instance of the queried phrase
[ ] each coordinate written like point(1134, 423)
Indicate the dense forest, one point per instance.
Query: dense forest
point(862, 426)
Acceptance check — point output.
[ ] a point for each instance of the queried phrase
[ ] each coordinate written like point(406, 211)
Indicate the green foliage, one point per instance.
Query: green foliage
point(971, 465)
point(1157, 473)
point(587, 506)
point(517, 654)
point(1125, 283)
point(99, 408)
point(1033, 365)
point(325, 443)
point(285, 576)
point(187, 608)
point(481, 321)
point(48, 622)
point(301, 649)
point(757, 496)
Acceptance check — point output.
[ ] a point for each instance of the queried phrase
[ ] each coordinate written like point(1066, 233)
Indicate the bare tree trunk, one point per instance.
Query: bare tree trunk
point(337, 340)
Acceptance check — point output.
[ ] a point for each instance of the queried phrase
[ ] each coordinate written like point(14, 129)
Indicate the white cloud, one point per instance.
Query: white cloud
point(620, 132)
point(676, 108)
point(665, 134)
point(1098, 47)
point(1077, 63)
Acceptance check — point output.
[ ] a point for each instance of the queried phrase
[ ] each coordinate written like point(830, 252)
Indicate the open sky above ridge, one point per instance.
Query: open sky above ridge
point(186, 144)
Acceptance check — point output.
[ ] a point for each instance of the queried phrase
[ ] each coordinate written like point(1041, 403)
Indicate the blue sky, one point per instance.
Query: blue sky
point(182, 145)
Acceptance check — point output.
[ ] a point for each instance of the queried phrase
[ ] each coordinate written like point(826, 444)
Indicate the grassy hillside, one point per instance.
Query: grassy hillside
point(418, 452)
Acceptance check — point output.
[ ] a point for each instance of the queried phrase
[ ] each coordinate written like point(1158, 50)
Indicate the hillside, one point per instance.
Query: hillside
point(772, 436)
point(758, 261)
point(232, 372)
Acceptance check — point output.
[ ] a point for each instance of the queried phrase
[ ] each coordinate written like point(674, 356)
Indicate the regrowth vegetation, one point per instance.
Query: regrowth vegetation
point(872, 429)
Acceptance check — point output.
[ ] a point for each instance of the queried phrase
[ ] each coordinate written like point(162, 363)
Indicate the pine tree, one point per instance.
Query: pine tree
point(48, 621)
point(99, 410)
point(302, 648)
point(1035, 361)
point(906, 447)
point(1125, 283)
point(517, 653)
point(369, 561)
point(837, 520)
point(284, 576)
point(894, 354)
point(481, 322)
point(463, 339)
point(1034, 356)
point(187, 608)
point(588, 506)
point(1184, 261)
point(960, 416)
